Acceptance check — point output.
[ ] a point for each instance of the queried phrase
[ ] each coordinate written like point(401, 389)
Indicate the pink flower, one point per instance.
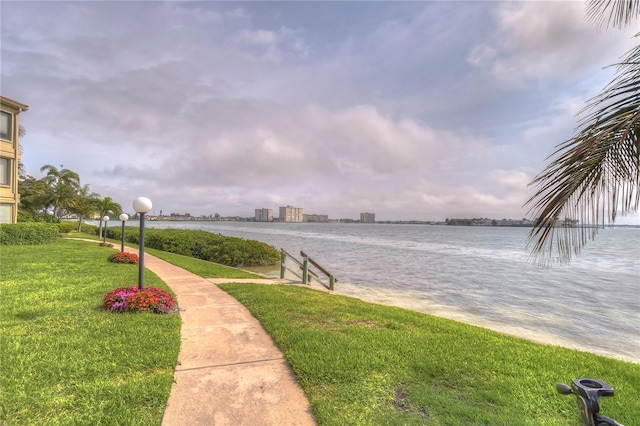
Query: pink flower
point(132, 299)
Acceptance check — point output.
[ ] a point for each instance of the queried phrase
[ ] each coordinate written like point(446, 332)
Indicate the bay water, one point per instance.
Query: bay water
point(477, 275)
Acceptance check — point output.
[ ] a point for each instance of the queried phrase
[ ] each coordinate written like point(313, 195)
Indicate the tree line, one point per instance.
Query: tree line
point(59, 193)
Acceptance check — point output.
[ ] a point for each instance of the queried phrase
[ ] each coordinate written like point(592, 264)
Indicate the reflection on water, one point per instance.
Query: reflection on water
point(478, 275)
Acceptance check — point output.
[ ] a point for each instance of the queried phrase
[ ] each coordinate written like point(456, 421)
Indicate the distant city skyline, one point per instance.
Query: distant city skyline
point(296, 214)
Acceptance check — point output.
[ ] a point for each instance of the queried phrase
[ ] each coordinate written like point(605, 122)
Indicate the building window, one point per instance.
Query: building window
point(5, 125)
point(5, 171)
point(5, 213)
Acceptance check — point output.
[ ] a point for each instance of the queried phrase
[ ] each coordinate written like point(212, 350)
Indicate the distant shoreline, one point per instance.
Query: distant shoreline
point(499, 223)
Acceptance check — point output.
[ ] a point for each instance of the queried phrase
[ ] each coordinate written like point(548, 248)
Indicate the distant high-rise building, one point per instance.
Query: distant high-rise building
point(323, 218)
point(367, 217)
point(264, 215)
point(291, 214)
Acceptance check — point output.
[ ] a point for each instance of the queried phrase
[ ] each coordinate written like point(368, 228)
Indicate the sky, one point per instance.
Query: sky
point(409, 110)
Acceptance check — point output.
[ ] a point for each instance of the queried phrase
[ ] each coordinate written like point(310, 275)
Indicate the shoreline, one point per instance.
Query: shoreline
point(403, 299)
point(575, 307)
point(456, 314)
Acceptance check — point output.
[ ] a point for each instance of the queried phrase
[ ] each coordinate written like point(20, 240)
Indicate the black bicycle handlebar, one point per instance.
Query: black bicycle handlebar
point(588, 392)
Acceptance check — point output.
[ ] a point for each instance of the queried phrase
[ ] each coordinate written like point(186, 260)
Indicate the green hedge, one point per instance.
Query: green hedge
point(89, 229)
point(66, 227)
point(230, 251)
point(131, 235)
point(28, 233)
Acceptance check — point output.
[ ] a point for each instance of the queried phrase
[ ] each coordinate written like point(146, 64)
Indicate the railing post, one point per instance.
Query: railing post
point(332, 282)
point(305, 270)
point(283, 260)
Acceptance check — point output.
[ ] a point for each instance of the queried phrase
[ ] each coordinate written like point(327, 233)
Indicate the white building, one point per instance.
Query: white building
point(367, 217)
point(291, 214)
point(264, 215)
point(322, 218)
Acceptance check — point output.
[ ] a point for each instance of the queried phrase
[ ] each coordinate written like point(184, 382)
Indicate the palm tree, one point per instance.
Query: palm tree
point(34, 195)
point(596, 174)
point(63, 184)
point(84, 204)
point(105, 207)
point(22, 172)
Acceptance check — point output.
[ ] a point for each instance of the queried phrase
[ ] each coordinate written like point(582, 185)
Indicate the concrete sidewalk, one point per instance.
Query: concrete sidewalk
point(229, 371)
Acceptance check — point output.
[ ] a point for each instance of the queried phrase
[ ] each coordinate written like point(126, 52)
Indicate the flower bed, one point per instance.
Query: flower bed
point(132, 299)
point(124, 257)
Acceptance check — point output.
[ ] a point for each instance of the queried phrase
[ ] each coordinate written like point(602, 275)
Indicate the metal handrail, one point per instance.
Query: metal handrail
point(307, 274)
point(283, 264)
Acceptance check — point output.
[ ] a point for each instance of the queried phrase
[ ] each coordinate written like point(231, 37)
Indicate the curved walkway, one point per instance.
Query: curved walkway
point(229, 371)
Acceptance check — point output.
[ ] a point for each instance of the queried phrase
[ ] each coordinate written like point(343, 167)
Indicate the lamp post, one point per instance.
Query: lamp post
point(104, 230)
point(141, 205)
point(123, 217)
point(50, 213)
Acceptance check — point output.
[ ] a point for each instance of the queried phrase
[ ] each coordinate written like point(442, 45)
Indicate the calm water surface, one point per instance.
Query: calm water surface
point(479, 275)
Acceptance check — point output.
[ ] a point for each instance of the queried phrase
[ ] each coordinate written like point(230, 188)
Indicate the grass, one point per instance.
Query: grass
point(199, 267)
point(67, 361)
point(363, 364)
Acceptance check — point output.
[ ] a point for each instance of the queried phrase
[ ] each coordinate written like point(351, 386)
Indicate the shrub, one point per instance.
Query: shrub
point(124, 257)
point(27, 233)
point(66, 227)
point(89, 229)
point(24, 216)
point(115, 233)
point(132, 299)
point(230, 251)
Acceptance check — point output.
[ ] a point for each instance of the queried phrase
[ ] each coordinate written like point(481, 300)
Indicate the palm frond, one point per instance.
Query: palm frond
point(593, 176)
point(617, 13)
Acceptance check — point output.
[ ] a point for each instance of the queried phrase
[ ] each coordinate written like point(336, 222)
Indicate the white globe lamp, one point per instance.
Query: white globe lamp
point(141, 205)
point(123, 217)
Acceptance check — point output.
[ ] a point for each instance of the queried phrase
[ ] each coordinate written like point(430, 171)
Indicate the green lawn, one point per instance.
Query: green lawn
point(67, 361)
point(201, 267)
point(367, 364)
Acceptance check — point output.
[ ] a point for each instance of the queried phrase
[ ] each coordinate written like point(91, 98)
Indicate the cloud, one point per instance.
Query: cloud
point(272, 46)
point(270, 144)
point(329, 160)
point(338, 108)
point(539, 39)
point(259, 38)
point(511, 180)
